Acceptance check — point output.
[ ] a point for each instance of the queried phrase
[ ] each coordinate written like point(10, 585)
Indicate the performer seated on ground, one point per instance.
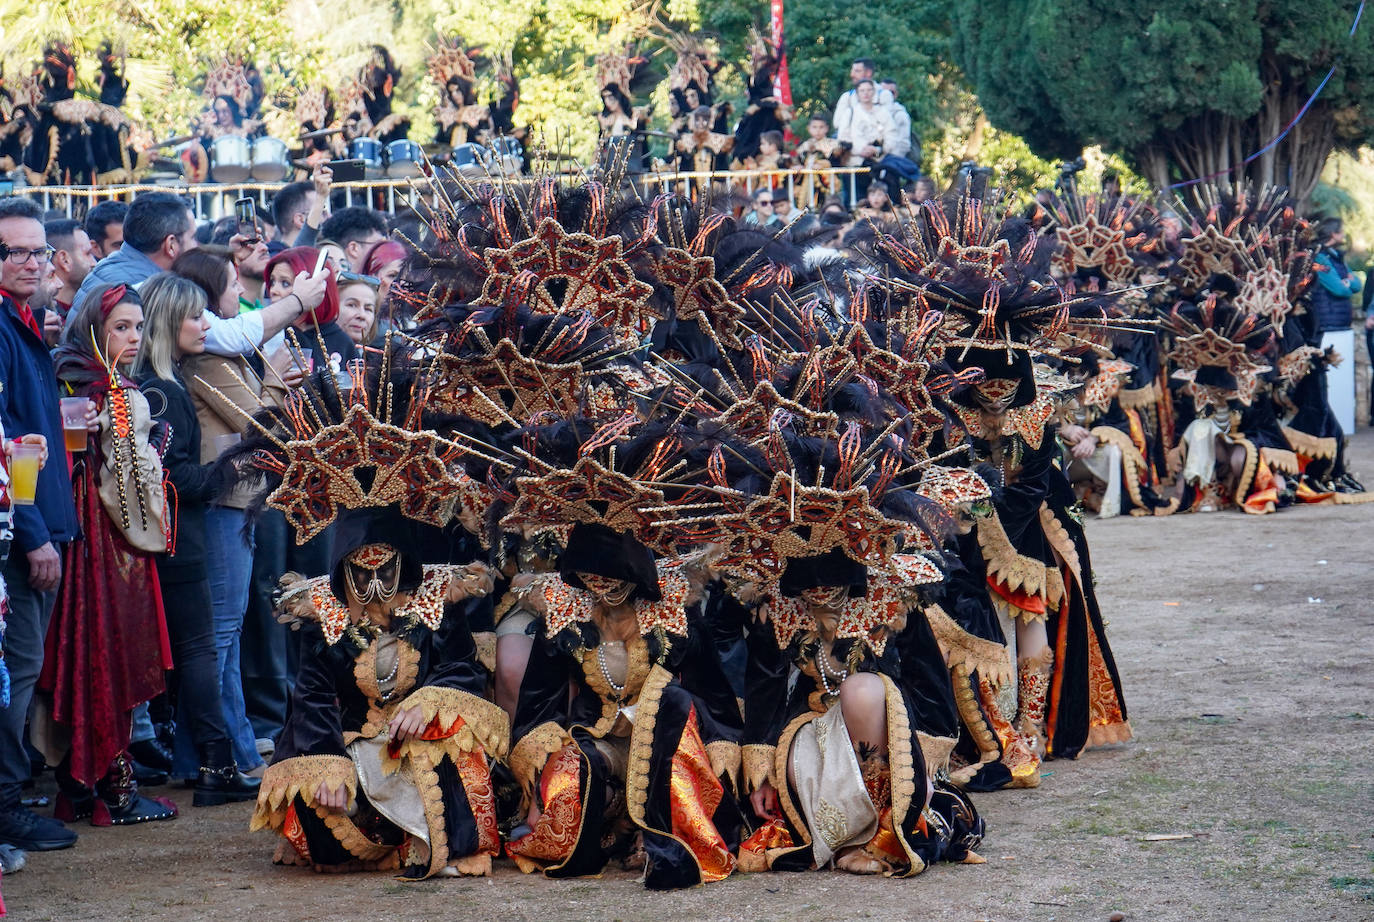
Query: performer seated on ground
point(384, 760)
point(841, 758)
point(623, 689)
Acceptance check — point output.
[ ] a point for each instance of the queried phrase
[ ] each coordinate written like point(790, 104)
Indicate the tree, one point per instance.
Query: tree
point(909, 40)
point(1185, 89)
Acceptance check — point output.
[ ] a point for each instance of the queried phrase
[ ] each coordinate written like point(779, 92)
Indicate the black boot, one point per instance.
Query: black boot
point(220, 780)
point(75, 801)
point(118, 802)
point(152, 754)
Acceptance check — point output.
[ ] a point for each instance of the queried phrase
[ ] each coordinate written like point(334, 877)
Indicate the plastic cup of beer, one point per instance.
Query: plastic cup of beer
point(74, 431)
point(24, 473)
point(226, 441)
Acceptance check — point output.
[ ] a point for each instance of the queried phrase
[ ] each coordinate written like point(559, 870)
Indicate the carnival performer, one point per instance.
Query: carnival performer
point(74, 140)
point(997, 313)
point(703, 150)
point(107, 645)
point(458, 118)
point(764, 112)
point(378, 80)
point(384, 762)
point(648, 700)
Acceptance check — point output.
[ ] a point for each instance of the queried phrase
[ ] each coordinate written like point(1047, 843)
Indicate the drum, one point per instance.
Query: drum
point(470, 160)
point(231, 159)
point(403, 159)
point(271, 162)
point(510, 155)
point(368, 150)
point(195, 163)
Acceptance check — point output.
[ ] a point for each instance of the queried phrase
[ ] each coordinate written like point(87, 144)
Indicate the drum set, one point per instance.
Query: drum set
point(398, 160)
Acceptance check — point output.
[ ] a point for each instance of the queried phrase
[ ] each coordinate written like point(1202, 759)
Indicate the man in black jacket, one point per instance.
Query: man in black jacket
point(28, 404)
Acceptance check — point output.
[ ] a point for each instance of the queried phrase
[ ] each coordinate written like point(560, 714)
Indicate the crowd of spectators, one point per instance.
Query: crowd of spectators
point(126, 566)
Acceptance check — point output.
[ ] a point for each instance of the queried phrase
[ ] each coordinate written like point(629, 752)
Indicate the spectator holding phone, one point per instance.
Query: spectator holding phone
point(299, 208)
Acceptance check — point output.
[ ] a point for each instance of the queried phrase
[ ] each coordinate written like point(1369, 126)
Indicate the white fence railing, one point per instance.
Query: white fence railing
point(210, 201)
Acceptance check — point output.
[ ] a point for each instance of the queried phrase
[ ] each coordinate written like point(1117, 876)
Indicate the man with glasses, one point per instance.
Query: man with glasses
point(33, 570)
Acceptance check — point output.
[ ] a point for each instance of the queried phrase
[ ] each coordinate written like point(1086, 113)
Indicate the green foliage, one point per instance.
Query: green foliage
point(909, 40)
point(1347, 190)
point(1205, 82)
point(170, 44)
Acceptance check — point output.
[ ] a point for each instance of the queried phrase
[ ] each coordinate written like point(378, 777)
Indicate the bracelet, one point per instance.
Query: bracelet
point(298, 301)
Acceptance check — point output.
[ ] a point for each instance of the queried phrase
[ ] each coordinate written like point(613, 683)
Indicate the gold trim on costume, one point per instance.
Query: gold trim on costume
point(300, 776)
point(990, 658)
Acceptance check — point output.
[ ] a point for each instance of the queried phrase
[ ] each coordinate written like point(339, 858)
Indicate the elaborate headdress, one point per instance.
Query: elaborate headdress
point(229, 78)
point(332, 448)
point(451, 59)
point(1214, 351)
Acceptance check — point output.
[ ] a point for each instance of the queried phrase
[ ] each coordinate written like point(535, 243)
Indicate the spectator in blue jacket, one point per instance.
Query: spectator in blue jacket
point(28, 404)
point(1333, 295)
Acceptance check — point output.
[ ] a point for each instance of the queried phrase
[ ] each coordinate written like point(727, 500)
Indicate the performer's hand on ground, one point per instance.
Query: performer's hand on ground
point(407, 724)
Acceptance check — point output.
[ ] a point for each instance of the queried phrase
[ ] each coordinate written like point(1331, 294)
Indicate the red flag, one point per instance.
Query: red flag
point(782, 83)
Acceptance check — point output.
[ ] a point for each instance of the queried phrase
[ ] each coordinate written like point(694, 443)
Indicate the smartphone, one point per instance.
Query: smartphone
point(347, 170)
point(246, 214)
point(319, 263)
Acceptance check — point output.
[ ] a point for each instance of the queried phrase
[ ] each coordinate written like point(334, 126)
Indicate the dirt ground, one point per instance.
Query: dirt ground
point(1244, 644)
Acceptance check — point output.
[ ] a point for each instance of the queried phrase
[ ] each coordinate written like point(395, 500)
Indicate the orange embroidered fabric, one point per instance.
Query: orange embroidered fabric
point(695, 794)
point(555, 834)
point(476, 776)
point(291, 830)
point(753, 851)
point(1104, 707)
point(1016, 754)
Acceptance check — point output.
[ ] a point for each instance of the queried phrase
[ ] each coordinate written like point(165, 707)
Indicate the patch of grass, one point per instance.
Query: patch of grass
point(1362, 887)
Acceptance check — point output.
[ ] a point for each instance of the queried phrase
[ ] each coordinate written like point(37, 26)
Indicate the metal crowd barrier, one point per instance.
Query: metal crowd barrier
point(211, 201)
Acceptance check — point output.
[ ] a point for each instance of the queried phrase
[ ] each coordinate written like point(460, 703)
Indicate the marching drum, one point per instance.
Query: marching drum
point(470, 160)
point(271, 162)
point(368, 150)
point(231, 159)
point(509, 154)
point(403, 159)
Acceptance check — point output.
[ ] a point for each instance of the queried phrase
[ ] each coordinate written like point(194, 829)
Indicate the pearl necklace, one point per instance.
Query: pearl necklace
point(395, 667)
point(616, 690)
point(823, 668)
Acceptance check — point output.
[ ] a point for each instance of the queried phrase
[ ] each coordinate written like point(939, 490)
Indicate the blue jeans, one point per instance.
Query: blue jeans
point(229, 558)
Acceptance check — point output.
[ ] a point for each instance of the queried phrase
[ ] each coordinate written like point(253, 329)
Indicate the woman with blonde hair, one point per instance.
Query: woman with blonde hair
point(225, 391)
point(175, 324)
